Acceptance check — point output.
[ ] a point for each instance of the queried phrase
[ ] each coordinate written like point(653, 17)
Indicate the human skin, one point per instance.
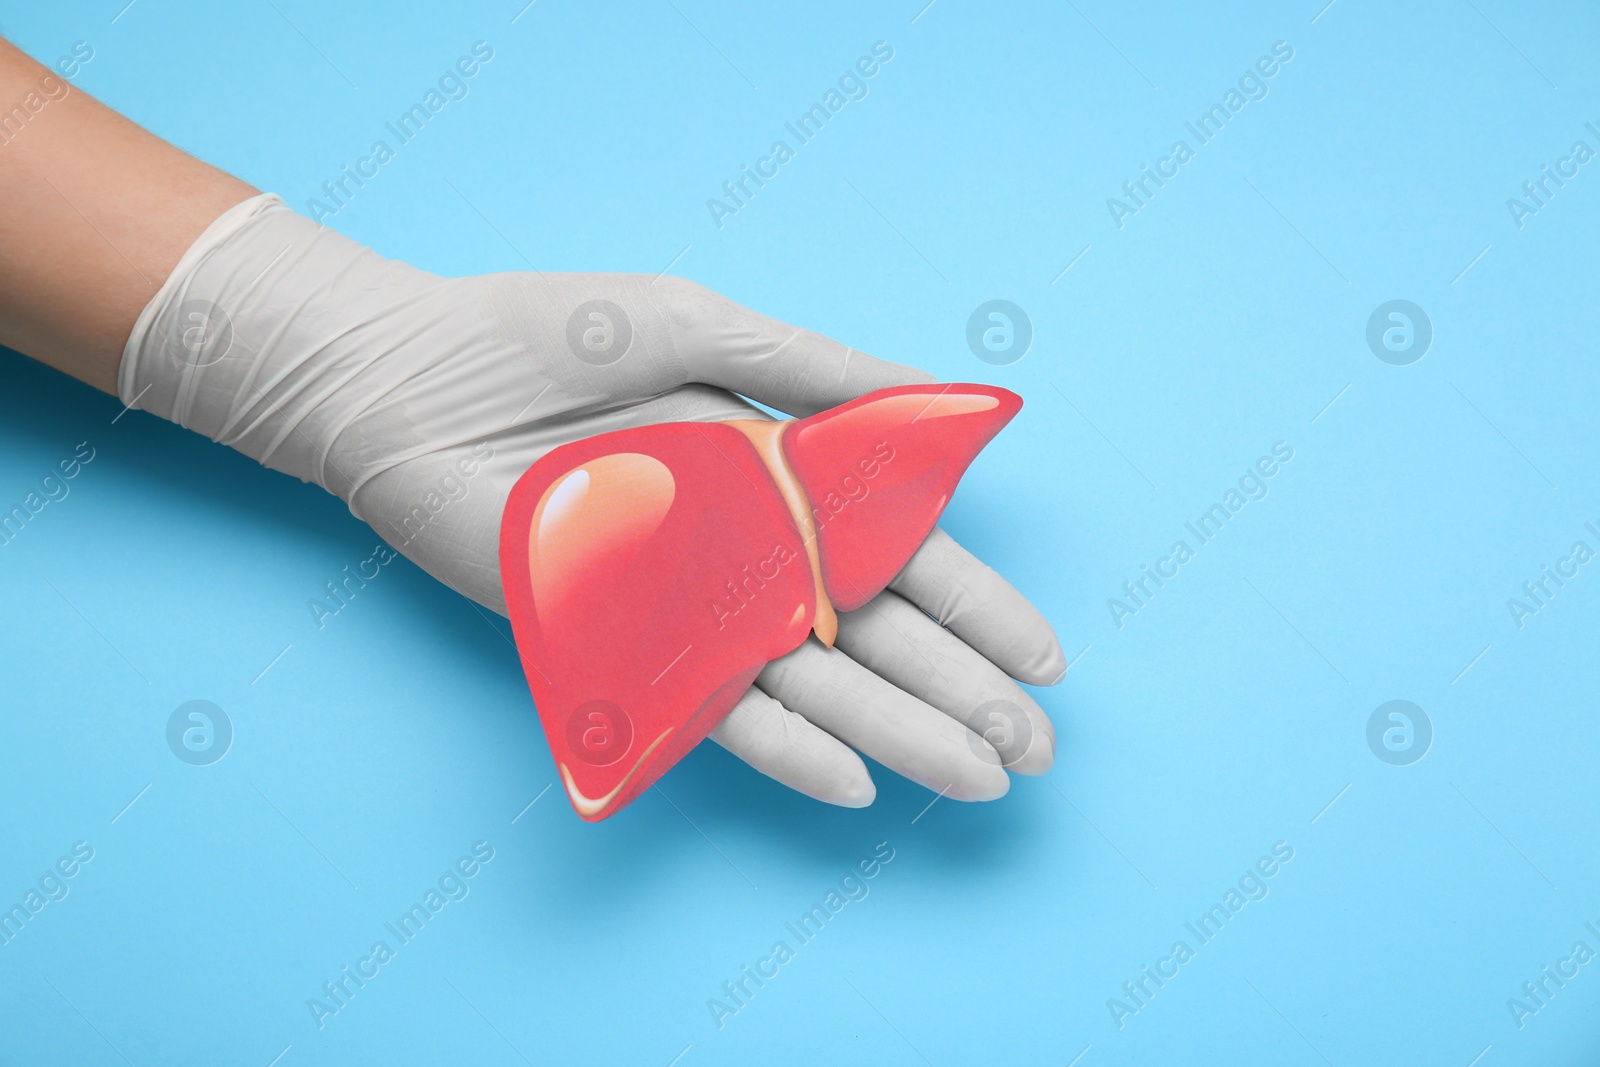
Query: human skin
point(88, 236)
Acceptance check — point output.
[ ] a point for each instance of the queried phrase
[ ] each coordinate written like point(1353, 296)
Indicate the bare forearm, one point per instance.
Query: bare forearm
point(94, 213)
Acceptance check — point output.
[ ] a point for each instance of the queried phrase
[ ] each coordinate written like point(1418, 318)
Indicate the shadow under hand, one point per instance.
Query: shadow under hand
point(711, 800)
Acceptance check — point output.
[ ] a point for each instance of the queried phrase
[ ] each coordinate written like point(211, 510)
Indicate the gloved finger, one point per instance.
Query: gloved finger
point(981, 608)
point(901, 732)
point(459, 543)
point(785, 747)
point(785, 367)
point(892, 638)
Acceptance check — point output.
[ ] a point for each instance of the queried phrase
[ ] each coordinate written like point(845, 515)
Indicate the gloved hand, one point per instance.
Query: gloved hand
point(420, 400)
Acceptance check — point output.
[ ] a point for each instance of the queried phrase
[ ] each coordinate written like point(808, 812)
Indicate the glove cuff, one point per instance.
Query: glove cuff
point(144, 346)
point(270, 336)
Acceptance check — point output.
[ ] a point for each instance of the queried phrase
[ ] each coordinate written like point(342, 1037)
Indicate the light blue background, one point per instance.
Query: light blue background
point(1225, 316)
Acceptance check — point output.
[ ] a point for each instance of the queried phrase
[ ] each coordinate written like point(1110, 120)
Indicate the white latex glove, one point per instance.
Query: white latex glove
point(420, 400)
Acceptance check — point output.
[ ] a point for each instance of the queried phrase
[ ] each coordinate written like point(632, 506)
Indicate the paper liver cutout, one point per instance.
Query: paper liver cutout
point(651, 573)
